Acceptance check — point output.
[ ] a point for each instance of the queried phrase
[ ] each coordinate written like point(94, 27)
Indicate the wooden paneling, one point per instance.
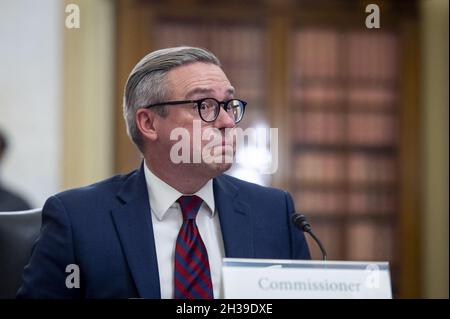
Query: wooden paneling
point(409, 223)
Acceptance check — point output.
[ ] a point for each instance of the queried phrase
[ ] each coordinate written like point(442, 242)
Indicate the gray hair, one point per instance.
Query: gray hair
point(147, 82)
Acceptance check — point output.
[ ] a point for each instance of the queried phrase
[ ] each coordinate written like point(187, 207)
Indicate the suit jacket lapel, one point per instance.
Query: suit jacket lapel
point(133, 221)
point(234, 214)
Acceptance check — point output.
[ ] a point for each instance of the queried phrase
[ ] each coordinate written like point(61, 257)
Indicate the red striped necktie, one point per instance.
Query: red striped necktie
point(192, 277)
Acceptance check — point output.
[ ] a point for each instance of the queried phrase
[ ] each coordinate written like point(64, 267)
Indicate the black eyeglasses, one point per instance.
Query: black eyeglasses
point(209, 108)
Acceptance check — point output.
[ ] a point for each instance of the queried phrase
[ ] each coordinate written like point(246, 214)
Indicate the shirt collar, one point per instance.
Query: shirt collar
point(162, 196)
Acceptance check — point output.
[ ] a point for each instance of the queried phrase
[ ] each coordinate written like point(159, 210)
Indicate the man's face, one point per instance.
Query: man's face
point(193, 82)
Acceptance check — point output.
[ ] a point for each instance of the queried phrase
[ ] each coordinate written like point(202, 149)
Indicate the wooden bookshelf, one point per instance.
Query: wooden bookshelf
point(344, 149)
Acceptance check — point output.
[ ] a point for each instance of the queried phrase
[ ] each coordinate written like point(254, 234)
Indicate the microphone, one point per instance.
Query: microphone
point(299, 220)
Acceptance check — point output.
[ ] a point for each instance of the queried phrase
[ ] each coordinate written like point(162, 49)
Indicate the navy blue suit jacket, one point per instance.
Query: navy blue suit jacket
point(106, 229)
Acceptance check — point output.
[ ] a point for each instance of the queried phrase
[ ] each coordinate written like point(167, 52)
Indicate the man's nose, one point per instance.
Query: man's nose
point(224, 120)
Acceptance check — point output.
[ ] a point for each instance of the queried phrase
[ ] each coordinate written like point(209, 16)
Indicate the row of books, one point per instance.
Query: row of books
point(357, 128)
point(364, 241)
point(248, 81)
point(345, 202)
point(234, 44)
point(373, 128)
point(368, 241)
point(318, 167)
point(372, 55)
point(315, 53)
point(354, 54)
point(252, 95)
point(340, 95)
point(330, 167)
point(364, 168)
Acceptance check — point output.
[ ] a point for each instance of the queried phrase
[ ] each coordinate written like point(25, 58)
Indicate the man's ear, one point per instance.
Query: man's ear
point(145, 121)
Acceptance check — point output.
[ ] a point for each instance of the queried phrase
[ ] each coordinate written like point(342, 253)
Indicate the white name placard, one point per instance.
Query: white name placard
point(301, 279)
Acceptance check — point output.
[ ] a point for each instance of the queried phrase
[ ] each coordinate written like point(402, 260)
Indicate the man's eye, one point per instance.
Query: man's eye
point(205, 105)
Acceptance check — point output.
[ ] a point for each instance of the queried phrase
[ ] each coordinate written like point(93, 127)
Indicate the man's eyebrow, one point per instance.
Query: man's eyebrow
point(198, 91)
point(195, 91)
point(230, 91)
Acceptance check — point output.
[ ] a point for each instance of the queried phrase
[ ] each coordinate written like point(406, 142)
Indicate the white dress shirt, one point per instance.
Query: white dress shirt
point(167, 220)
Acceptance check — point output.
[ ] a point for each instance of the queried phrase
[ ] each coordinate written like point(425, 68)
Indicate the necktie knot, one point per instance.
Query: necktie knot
point(189, 205)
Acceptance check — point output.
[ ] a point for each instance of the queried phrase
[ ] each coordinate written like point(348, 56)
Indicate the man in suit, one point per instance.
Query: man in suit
point(162, 230)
